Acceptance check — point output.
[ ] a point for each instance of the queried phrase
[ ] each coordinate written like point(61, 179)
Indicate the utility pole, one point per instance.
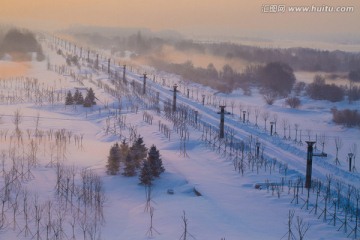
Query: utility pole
point(144, 84)
point(310, 154)
point(222, 120)
point(109, 66)
point(124, 72)
point(350, 160)
point(174, 98)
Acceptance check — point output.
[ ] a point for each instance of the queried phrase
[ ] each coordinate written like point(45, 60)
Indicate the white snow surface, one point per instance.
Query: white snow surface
point(229, 206)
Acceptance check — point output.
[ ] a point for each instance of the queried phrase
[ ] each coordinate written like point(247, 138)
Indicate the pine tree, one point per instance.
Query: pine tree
point(145, 175)
point(69, 99)
point(155, 161)
point(124, 150)
point(113, 165)
point(87, 102)
point(89, 99)
point(76, 96)
point(138, 151)
point(129, 169)
point(91, 95)
point(80, 99)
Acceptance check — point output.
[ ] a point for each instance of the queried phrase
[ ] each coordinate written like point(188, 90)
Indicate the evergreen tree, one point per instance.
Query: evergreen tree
point(80, 99)
point(138, 151)
point(129, 169)
point(155, 162)
point(90, 98)
point(87, 102)
point(91, 95)
point(69, 99)
point(124, 150)
point(76, 95)
point(146, 175)
point(113, 165)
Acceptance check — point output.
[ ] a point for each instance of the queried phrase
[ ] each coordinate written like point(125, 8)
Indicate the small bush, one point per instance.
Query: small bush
point(293, 102)
point(269, 97)
point(346, 117)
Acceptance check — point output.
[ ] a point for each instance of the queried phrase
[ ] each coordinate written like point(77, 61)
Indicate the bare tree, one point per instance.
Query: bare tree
point(186, 233)
point(322, 141)
point(296, 126)
point(338, 146)
point(151, 228)
point(265, 116)
point(240, 110)
point(301, 227)
point(353, 151)
point(284, 124)
point(17, 119)
point(257, 112)
point(290, 235)
point(232, 104)
point(275, 119)
point(248, 112)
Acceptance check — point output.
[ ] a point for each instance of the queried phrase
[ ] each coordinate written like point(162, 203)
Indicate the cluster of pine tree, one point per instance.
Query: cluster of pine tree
point(78, 99)
point(134, 158)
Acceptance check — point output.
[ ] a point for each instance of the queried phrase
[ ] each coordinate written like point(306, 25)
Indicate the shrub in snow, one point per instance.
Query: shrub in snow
point(347, 117)
point(293, 102)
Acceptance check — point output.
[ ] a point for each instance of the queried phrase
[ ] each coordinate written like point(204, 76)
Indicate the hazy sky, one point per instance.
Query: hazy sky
point(210, 17)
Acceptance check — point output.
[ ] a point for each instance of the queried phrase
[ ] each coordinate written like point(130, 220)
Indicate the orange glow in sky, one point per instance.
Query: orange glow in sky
point(231, 17)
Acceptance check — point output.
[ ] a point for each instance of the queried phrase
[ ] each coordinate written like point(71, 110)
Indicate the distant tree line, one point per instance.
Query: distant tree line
point(20, 43)
point(300, 59)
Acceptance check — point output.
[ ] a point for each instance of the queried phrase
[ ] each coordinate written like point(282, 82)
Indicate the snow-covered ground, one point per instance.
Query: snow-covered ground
point(229, 206)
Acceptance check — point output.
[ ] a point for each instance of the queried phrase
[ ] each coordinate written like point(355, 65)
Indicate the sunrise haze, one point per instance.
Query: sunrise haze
point(208, 17)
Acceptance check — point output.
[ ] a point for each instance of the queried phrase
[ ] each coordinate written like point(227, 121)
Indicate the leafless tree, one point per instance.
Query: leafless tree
point(240, 110)
point(257, 112)
point(186, 233)
point(353, 151)
point(248, 112)
point(151, 230)
point(289, 234)
point(275, 119)
point(284, 123)
point(322, 141)
point(17, 119)
point(338, 146)
point(296, 127)
point(265, 116)
point(232, 104)
point(301, 227)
